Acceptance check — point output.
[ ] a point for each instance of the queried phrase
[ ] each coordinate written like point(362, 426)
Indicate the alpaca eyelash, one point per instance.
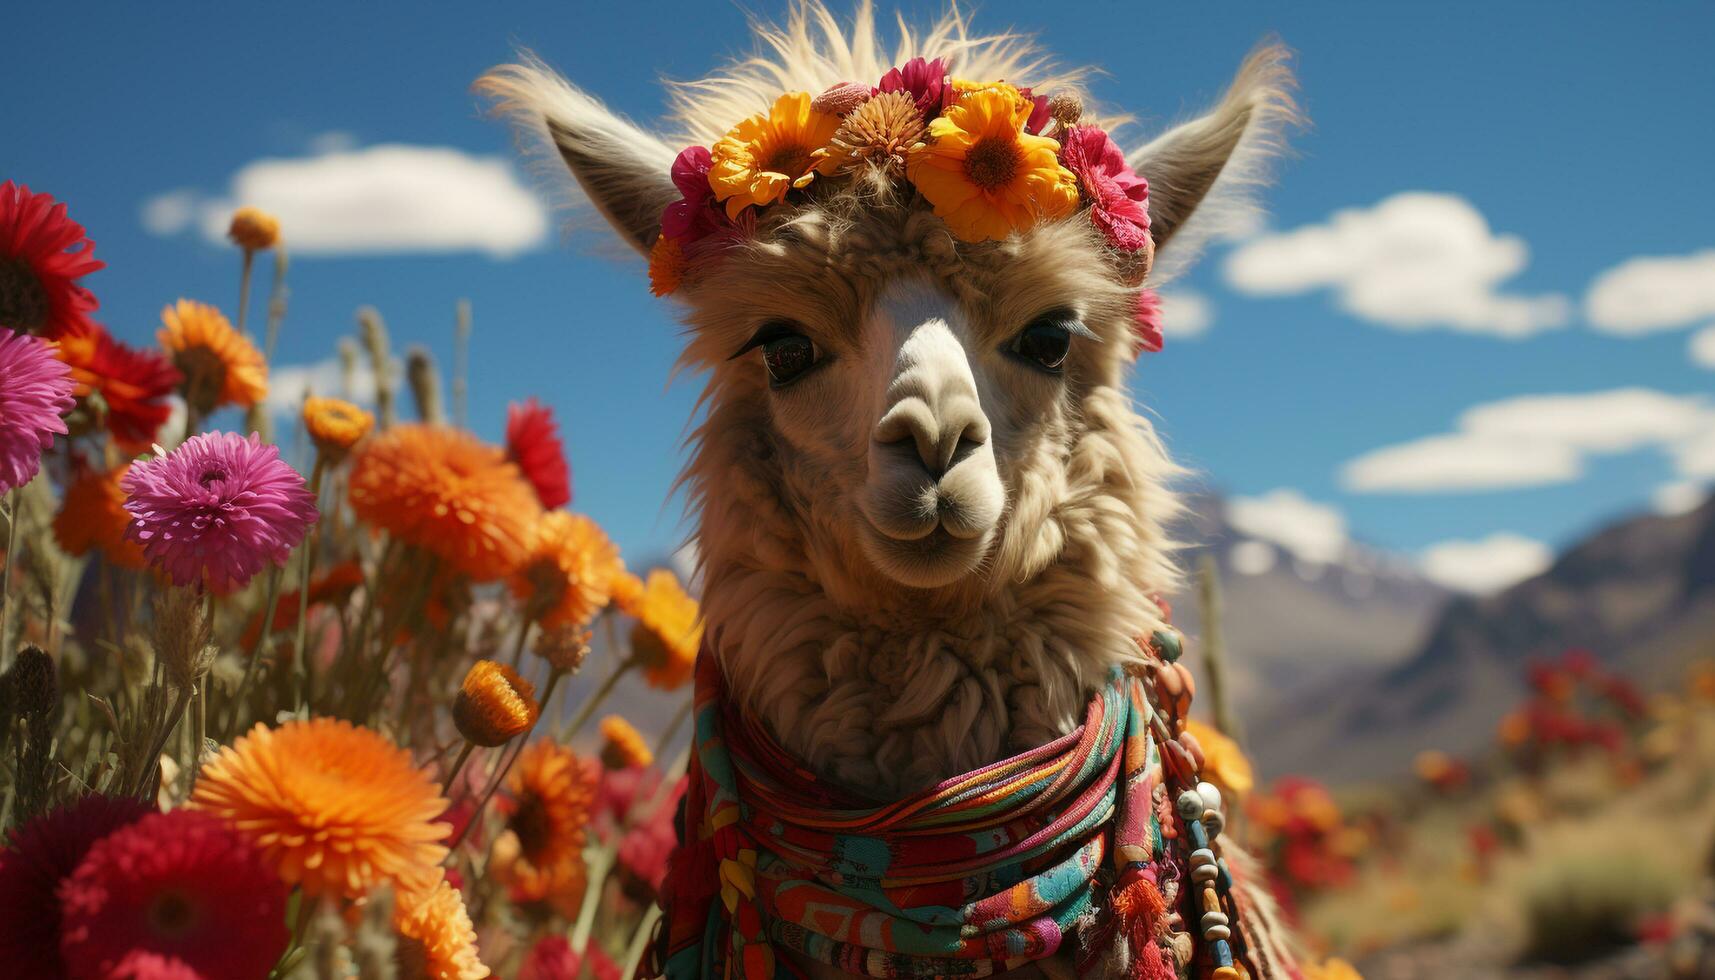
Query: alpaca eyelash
point(772, 330)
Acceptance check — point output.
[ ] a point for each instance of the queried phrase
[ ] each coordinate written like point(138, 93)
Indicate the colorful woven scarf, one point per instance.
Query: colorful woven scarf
point(969, 878)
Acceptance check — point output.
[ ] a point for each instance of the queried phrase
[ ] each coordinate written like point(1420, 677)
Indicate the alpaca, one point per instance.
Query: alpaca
point(923, 548)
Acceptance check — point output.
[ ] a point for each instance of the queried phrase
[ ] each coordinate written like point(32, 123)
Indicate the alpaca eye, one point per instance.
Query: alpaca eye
point(1044, 343)
point(788, 357)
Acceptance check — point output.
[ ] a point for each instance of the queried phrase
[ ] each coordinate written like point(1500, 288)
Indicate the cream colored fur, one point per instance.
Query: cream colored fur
point(883, 652)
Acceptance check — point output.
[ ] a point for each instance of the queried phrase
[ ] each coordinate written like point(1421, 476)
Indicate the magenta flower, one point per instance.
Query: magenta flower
point(1038, 112)
point(216, 509)
point(694, 215)
point(35, 392)
point(926, 83)
point(1146, 324)
point(1118, 196)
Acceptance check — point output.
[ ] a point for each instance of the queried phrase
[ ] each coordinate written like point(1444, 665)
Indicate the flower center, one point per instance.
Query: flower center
point(992, 162)
point(789, 159)
point(172, 916)
point(212, 476)
point(23, 300)
point(205, 376)
point(530, 823)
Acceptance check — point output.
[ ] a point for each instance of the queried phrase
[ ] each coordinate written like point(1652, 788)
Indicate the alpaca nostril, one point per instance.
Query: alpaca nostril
point(938, 442)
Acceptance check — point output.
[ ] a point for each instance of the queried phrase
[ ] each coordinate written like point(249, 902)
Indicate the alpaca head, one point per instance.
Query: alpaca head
point(907, 421)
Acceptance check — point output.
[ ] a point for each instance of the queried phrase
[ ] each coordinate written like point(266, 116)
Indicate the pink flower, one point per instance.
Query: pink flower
point(644, 850)
point(216, 509)
point(926, 82)
point(1117, 195)
point(1146, 327)
point(35, 391)
point(695, 215)
point(1038, 113)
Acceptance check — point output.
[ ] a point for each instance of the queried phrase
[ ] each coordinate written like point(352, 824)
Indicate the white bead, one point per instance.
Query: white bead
point(1210, 794)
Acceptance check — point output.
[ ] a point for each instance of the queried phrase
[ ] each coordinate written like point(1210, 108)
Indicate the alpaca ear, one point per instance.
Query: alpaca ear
point(624, 171)
point(1210, 165)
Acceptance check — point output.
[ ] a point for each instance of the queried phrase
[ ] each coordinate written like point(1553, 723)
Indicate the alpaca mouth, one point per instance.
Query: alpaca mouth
point(934, 558)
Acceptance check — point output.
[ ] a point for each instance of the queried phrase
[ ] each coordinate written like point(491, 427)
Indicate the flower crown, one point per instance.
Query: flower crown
point(988, 157)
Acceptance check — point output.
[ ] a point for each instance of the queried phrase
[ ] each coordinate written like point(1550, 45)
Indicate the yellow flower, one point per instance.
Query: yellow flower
point(254, 229)
point(335, 425)
point(1224, 763)
point(667, 634)
point(1333, 968)
point(220, 365)
point(666, 266)
point(334, 808)
point(766, 155)
point(984, 175)
point(436, 938)
point(494, 705)
point(569, 573)
point(622, 746)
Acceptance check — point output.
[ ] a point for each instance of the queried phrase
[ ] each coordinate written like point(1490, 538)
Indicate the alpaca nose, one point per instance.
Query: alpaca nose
point(932, 401)
point(942, 435)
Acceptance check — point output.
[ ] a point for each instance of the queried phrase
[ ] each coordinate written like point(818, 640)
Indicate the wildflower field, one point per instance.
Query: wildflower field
point(266, 720)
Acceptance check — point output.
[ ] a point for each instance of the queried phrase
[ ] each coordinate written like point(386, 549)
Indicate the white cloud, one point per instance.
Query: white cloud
point(1701, 347)
point(1651, 293)
point(1536, 440)
point(1460, 461)
point(287, 384)
point(1185, 315)
point(391, 198)
point(1251, 557)
point(1312, 532)
point(1413, 261)
point(1487, 564)
point(1679, 497)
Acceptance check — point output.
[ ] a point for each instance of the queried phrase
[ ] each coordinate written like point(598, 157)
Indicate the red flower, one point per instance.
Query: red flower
point(1117, 195)
point(42, 255)
point(644, 850)
point(143, 965)
point(44, 852)
point(533, 442)
point(182, 886)
point(1146, 323)
point(602, 966)
point(133, 384)
point(552, 958)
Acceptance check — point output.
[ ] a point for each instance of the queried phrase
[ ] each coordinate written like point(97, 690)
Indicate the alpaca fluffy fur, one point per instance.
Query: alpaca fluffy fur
point(876, 685)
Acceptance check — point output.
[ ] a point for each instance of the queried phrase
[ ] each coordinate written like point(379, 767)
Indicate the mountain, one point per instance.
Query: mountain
point(1640, 594)
point(1292, 627)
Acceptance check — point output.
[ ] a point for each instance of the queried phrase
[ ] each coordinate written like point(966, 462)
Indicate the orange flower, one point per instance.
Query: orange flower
point(666, 265)
point(436, 938)
point(667, 634)
point(93, 516)
point(622, 746)
point(569, 574)
point(770, 153)
point(220, 365)
point(441, 489)
point(494, 705)
point(334, 808)
point(539, 856)
point(335, 425)
point(564, 647)
point(984, 175)
point(1331, 969)
point(253, 229)
point(1224, 763)
point(627, 592)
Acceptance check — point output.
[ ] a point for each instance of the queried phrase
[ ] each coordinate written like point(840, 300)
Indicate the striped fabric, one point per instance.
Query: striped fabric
point(974, 876)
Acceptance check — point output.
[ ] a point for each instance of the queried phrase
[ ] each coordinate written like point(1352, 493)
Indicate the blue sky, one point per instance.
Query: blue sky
point(1577, 131)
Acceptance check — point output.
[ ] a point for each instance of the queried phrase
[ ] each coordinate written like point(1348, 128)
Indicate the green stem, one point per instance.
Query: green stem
point(300, 662)
point(597, 867)
point(14, 502)
point(255, 651)
point(591, 703)
point(518, 644)
point(458, 764)
point(244, 290)
point(639, 939)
